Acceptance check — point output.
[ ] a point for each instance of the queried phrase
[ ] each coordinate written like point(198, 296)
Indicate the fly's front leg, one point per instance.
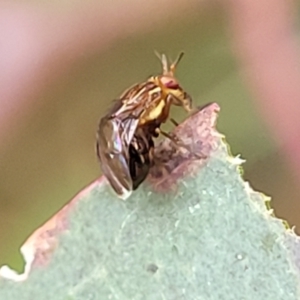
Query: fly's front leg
point(174, 122)
point(178, 142)
point(185, 102)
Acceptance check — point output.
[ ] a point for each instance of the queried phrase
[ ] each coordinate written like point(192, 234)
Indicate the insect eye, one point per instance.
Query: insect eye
point(172, 84)
point(169, 82)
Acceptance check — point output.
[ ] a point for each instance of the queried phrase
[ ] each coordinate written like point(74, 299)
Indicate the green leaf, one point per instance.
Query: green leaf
point(193, 230)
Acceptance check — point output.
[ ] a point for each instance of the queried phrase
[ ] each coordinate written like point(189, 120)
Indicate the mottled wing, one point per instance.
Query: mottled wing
point(114, 136)
point(140, 157)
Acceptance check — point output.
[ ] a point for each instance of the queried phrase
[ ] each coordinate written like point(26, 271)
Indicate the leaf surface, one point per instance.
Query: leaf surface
point(193, 230)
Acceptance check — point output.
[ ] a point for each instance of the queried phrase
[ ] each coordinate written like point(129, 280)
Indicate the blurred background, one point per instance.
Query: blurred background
point(62, 65)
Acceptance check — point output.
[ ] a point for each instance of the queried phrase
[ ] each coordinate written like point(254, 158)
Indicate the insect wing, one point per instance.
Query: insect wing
point(114, 137)
point(140, 158)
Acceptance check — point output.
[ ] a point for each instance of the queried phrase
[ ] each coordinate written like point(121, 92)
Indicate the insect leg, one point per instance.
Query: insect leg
point(185, 102)
point(178, 142)
point(174, 122)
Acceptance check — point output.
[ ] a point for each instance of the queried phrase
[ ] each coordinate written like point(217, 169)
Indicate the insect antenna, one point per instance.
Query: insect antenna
point(176, 62)
point(164, 62)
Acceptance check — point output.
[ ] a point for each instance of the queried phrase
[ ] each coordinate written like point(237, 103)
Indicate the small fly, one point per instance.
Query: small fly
point(125, 144)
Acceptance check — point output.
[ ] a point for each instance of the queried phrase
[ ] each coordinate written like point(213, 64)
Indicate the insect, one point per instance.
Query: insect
point(125, 144)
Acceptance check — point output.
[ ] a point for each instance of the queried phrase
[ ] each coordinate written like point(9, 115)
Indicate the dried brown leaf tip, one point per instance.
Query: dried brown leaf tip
point(199, 138)
point(40, 246)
